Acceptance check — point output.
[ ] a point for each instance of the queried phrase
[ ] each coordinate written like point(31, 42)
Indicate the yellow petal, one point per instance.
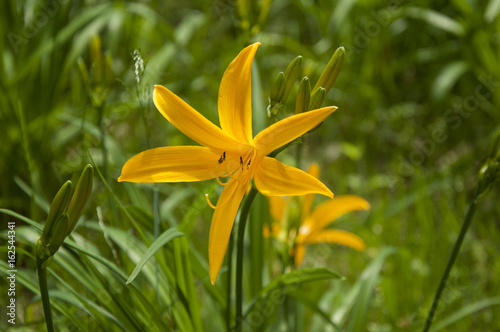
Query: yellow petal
point(328, 211)
point(299, 253)
point(190, 122)
point(289, 129)
point(308, 199)
point(235, 96)
point(274, 178)
point(274, 231)
point(172, 164)
point(222, 224)
point(336, 236)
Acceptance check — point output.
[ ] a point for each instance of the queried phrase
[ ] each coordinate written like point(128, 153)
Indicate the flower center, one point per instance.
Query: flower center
point(238, 166)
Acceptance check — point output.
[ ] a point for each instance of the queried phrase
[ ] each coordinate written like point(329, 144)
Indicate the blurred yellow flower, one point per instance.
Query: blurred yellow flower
point(313, 223)
point(230, 151)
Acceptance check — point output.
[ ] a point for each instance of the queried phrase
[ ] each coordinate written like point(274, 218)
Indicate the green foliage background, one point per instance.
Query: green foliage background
point(418, 98)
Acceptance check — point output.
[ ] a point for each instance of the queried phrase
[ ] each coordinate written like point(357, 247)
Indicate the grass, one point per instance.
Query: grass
point(418, 99)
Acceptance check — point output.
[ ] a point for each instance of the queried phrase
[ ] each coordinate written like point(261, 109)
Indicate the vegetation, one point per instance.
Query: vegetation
point(418, 102)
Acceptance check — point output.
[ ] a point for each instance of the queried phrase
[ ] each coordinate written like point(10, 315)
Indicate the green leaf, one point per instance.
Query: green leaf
point(23, 218)
point(299, 296)
point(164, 238)
point(491, 12)
point(447, 78)
point(465, 311)
point(359, 298)
point(273, 294)
point(436, 19)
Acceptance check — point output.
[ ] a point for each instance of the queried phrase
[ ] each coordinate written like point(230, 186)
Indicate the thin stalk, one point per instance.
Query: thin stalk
point(239, 257)
point(44, 293)
point(229, 281)
point(454, 254)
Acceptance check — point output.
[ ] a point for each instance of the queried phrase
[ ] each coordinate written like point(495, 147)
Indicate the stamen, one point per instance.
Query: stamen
point(220, 182)
point(209, 203)
point(219, 205)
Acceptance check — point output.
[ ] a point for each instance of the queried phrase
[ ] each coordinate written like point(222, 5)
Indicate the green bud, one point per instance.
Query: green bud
point(303, 96)
point(332, 70)
point(276, 91)
point(291, 74)
point(80, 197)
point(317, 98)
point(58, 207)
point(277, 88)
point(59, 233)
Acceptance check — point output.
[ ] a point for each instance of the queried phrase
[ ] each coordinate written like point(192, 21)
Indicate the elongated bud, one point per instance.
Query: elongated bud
point(58, 207)
point(317, 97)
point(291, 74)
point(80, 197)
point(303, 96)
point(59, 233)
point(332, 70)
point(277, 88)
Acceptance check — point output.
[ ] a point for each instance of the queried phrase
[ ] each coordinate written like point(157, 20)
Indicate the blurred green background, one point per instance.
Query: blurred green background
point(418, 98)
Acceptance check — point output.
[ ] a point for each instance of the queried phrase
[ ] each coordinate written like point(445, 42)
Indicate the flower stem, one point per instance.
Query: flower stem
point(44, 293)
point(456, 248)
point(229, 281)
point(239, 256)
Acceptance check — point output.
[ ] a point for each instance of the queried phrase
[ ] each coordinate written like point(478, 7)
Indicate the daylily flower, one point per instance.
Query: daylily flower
point(313, 223)
point(229, 151)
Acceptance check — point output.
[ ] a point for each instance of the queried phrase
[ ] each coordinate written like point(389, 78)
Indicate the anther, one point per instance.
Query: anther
point(222, 158)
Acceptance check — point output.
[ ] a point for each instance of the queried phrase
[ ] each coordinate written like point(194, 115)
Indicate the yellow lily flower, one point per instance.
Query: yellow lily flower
point(228, 151)
point(313, 223)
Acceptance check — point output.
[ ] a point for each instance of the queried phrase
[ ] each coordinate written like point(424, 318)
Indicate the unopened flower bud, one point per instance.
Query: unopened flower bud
point(58, 207)
point(59, 232)
point(291, 74)
point(277, 88)
point(80, 197)
point(303, 96)
point(276, 91)
point(317, 97)
point(332, 70)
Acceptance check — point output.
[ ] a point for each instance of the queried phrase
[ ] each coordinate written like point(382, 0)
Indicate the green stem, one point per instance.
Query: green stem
point(44, 293)
point(229, 281)
point(451, 260)
point(239, 257)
